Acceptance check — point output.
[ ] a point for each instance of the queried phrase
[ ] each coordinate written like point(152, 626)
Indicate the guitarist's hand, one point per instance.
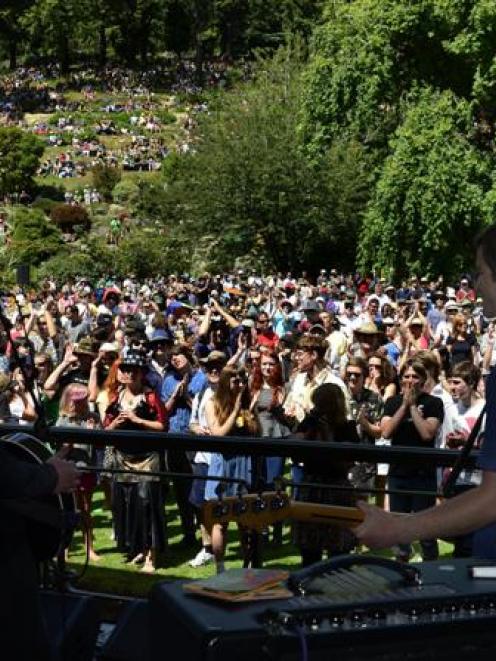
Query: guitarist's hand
point(380, 529)
point(67, 473)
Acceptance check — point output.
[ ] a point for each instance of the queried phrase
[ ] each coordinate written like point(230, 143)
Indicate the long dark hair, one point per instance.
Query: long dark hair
point(329, 410)
point(275, 378)
point(225, 397)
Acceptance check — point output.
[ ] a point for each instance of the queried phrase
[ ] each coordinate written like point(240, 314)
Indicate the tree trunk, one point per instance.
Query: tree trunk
point(13, 52)
point(102, 43)
point(64, 53)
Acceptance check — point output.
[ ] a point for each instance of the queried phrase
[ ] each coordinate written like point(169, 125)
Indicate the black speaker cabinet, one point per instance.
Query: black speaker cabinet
point(72, 623)
point(129, 640)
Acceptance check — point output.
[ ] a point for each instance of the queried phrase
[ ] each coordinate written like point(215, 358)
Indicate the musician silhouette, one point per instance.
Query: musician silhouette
point(21, 621)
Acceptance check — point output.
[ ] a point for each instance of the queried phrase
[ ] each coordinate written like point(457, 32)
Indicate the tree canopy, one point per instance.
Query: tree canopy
point(372, 144)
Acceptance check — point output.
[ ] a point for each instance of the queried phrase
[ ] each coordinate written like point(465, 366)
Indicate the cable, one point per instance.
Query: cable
point(303, 642)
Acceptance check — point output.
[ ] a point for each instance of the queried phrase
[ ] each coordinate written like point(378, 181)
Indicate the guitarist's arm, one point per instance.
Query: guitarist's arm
point(19, 479)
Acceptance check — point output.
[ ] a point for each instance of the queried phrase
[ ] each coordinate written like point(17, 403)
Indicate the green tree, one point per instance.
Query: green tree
point(105, 179)
point(430, 199)
point(54, 25)
point(11, 29)
point(250, 192)
point(366, 56)
point(33, 238)
point(93, 260)
point(147, 252)
point(19, 159)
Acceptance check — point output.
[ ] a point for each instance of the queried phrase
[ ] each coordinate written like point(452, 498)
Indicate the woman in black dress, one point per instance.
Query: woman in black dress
point(461, 342)
point(326, 422)
point(137, 501)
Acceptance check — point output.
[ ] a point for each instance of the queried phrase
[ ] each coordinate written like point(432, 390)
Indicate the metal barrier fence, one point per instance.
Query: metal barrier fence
point(256, 446)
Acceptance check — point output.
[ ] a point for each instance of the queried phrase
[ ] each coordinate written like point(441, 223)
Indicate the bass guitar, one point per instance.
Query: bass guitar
point(257, 511)
point(51, 519)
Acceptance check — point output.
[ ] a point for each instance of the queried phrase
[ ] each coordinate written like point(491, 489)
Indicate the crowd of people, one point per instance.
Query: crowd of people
point(139, 153)
point(338, 357)
point(32, 88)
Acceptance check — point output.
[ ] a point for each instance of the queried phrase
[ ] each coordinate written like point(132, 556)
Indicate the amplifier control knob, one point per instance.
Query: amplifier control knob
point(336, 620)
point(414, 612)
point(357, 617)
point(379, 615)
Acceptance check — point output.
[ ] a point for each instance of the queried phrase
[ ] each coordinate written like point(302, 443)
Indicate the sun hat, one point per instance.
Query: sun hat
point(84, 346)
point(214, 357)
point(161, 335)
point(368, 328)
point(109, 347)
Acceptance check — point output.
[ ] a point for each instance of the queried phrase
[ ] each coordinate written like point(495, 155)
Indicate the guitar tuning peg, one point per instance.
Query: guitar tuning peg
point(219, 490)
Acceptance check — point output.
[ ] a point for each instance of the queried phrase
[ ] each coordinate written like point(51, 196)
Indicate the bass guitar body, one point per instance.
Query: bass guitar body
point(50, 520)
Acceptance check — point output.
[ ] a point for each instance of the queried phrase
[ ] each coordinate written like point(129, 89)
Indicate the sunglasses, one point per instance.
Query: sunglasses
point(353, 375)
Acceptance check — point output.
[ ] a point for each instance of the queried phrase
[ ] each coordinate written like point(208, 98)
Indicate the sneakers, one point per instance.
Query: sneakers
point(203, 557)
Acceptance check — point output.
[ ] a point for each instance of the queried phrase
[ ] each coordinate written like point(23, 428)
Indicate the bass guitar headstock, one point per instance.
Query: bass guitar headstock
point(253, 511)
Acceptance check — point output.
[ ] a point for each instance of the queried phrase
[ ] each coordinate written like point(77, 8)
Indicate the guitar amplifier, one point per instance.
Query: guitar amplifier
point(366, 613)
point(72, 623)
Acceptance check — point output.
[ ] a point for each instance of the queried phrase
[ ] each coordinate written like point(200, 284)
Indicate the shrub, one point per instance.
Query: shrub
point(45, 204)
point(67, 216)
point(55, 193)
point(125, 191)
point(165, 116)
point(105, 179)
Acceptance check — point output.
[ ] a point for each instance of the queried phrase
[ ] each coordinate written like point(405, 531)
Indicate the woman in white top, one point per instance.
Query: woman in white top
point(20, 401)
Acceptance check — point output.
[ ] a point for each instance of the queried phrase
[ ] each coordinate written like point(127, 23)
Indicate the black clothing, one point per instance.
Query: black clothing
point(461, 350)
point(406, 433)
point(20, 612)
point(405, 477)
point(314, 538)
point(316, 465)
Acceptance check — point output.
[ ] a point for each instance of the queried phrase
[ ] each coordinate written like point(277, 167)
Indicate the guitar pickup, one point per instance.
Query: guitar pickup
point(220, 510)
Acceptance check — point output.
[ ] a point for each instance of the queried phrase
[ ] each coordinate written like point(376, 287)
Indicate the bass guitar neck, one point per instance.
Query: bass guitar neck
point(257, 511)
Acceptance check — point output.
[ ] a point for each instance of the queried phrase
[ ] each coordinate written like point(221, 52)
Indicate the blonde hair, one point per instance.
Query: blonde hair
point(66, 407)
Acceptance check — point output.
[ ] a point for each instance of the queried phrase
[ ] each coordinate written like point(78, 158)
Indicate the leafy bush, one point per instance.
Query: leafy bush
point(19, 159)
point(34, 237)
point(165, 116)
point(105, 179)
point(92, 262)
point(55, 193)
point(45, 204)
point(86, 134)
point(126, 191)
point(67, 216)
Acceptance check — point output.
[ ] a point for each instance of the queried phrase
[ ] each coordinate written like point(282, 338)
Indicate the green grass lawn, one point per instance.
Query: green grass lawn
point(112, 575)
